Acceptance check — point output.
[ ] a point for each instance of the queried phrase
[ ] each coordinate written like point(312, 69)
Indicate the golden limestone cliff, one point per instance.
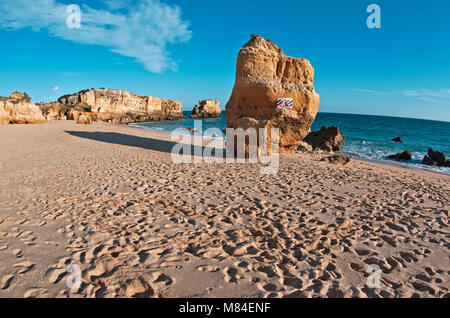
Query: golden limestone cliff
point(117, 105)
point(263, 75)
point(19, 109)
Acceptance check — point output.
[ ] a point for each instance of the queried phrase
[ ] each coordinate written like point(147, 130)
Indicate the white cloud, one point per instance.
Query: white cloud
point(440, 96)
point(137, 29)
point(433, 100)
point(363, 90)
point(441, 93)
point(56, 88)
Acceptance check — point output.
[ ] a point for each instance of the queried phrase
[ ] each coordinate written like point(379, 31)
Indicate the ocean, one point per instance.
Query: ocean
point(366, 137)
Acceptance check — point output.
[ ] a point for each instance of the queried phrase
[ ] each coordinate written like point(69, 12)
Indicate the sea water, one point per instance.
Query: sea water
point(366, 137)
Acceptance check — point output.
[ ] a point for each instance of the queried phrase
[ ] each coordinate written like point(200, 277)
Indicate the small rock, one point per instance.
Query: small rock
point(327, 138)
point(435, 158)
point(337, 159)
point(405, 156)
point(397, 139)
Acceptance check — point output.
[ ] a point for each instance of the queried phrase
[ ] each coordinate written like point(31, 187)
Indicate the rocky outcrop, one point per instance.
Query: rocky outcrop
point(82, 119)
point(54, 111)
point(264, 74)
point(4, 115)
point(339, 159)
point(19, 109)
point(207, 108)
point(328, 139)
point(402, 156)
point(121, 106)
point(435, 158)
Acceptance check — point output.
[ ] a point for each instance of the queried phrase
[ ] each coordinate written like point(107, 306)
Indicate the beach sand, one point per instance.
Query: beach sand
point(109, 199)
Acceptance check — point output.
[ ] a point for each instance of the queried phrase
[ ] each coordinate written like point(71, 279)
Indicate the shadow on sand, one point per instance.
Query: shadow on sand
point(140, 142)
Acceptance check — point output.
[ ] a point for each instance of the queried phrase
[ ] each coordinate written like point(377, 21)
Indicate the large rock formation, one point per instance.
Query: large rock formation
point(264, 74)
point(327, 139)
point(117, 105)
point(19, 109)
point(207, 108)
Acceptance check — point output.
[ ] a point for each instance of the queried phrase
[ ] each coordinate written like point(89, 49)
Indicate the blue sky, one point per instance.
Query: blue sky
point(186, 50)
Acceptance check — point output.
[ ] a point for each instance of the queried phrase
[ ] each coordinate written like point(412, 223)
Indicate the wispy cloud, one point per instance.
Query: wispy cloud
point(442, 93)
point(138, 29)
point(362, 90)
point(433, 100)
point(441, 96)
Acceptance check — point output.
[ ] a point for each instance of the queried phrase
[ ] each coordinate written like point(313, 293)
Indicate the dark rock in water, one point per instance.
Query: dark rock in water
point(435, 158)
point(337, 159)
point(327, 138)
point(405, 156)
point(428, 161)
point(397, 139)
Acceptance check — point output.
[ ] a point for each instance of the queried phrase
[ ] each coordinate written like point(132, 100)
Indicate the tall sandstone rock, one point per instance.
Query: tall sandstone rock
point(19, 109)
point(109, 104)
point(264, 74)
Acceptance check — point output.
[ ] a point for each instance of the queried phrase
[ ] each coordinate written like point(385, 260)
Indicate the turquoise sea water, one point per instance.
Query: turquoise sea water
point(367, 137)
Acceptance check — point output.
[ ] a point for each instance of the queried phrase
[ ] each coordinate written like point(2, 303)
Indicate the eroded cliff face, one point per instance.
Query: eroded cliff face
point(208, 108)
point(19, 109)
point(264, 74)
point(118, 105)
point(53, 111)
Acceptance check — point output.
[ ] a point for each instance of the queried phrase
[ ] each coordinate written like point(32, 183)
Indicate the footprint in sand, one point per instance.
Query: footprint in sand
point(138, 288)
point(95, 272)
point(162, 279)
point(36, 293)
point(57, 275)
point(17, 253)
point(6, 281)
point(408, 257)
point(24, 267)
point(231, 274)
point(206, 268)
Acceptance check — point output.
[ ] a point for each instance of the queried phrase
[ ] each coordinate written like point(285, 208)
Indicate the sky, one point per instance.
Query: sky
point(186, 50)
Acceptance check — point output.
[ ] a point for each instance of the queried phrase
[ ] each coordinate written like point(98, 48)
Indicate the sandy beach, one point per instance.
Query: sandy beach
point(109, 199)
